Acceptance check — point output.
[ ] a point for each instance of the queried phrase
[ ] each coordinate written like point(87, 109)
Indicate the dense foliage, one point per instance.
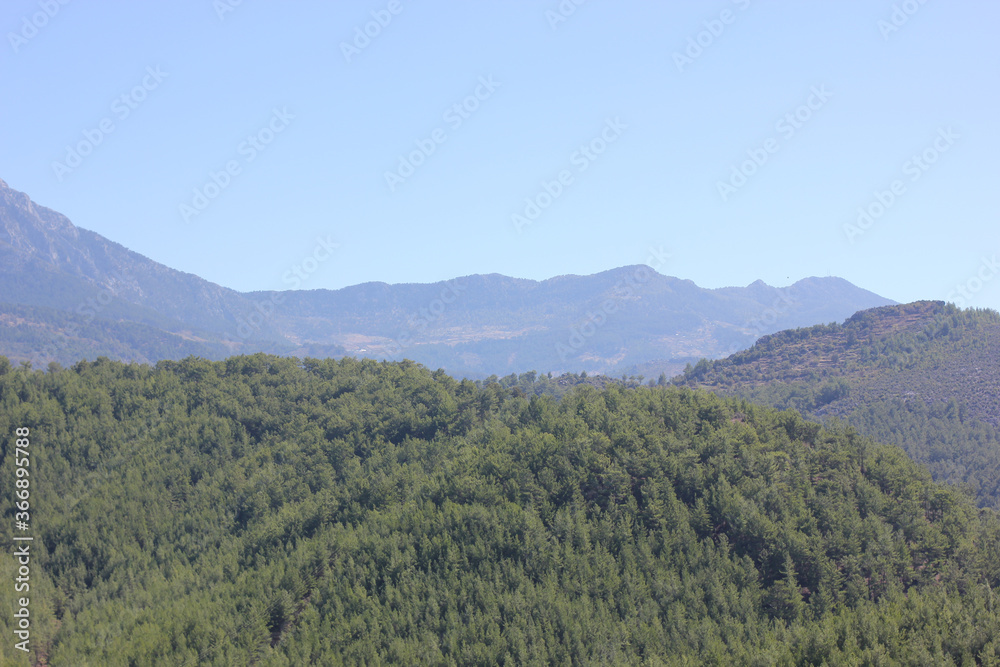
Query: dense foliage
point(263, 510)
point(924, 376)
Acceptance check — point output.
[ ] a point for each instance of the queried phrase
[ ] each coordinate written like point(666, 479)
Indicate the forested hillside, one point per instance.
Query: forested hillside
point(269, 511)
point(924, 376)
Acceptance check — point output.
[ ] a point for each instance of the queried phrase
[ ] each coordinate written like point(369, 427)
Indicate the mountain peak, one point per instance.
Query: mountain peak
point(19, 215)
point(482, 323)
point(71, 269)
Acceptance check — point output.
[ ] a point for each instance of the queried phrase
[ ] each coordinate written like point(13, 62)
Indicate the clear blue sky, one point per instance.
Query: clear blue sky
point(663, 132)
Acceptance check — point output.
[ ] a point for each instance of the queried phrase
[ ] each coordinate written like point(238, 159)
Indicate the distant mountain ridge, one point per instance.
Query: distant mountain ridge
point(599, 323)
point(475, 325)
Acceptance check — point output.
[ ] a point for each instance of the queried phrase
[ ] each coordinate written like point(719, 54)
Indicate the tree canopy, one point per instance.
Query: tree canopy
point(267, 510)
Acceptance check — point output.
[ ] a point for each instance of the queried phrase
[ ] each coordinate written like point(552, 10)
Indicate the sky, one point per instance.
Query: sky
point(416, 141)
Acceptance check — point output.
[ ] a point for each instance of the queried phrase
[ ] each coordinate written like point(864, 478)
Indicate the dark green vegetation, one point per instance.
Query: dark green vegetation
point(924, 376)
point(267, 511)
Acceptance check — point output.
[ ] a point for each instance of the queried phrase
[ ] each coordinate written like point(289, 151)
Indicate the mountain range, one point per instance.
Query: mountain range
point(263, 509)
point(67, 293)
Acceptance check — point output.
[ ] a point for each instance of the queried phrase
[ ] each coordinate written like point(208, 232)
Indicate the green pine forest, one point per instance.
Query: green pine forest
point(265, 510)
point(922, 376)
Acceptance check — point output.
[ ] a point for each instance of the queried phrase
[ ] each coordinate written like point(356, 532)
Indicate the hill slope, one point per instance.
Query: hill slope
point(925, 376)
point(266, 511)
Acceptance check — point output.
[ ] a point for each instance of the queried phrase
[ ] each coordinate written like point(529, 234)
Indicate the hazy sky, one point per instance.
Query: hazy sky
point(429, 139)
